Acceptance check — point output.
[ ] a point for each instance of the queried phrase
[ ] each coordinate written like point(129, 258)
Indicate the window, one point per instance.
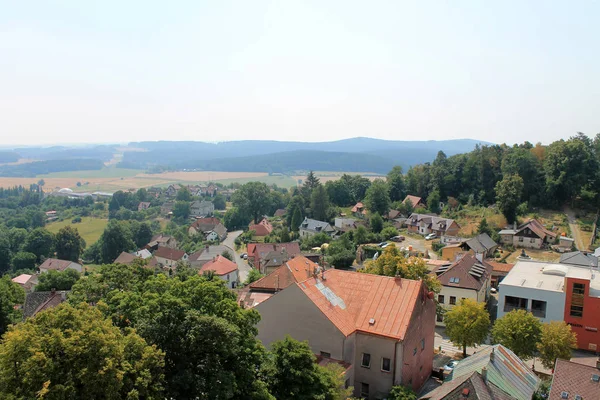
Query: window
point(576, 311)
point(325, 354)
point(452, 300)
point(366, 360)
point(578, 288)
point(532, 240)
point(538, 308)
point(440, 318)
point(441, 298)
point(422, 344)
point(521, 239)
point(415, 351)
point(364, 389)
point(515, 303)
point(386, 364)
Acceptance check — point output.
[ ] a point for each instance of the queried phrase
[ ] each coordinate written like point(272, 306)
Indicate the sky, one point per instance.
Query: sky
point(314, 70)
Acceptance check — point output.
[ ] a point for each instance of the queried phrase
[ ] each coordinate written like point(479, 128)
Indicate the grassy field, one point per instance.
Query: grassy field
point(537, 255)
point(89, 228)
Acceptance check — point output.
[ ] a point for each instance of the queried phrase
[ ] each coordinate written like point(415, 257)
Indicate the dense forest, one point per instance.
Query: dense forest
point(46, 167)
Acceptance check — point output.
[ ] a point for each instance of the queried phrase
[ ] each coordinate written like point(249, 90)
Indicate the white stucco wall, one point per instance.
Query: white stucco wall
point(527, 243)
point(555, 301)
point(231, 279)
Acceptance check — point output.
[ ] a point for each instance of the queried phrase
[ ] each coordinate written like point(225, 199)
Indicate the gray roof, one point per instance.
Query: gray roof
point(35, 300)
point(315, 226)
point(579, 258)
point(208, 254)
point(481, 243)
point(477, 388)
point(507, 232)
point(435, 222)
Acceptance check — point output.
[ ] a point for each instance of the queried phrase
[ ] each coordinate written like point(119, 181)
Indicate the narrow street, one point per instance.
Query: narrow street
point(574, 227)
point(243, 266)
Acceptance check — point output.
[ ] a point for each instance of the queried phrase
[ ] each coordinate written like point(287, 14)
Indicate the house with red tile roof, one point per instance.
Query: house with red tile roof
point(58, 265)
point(210, 227)
point(36, 302)
point(257, 252)
point(168, 257)
point(467, 278)
point(416, 201)
point(571, 380)
point(382, 327)
point(224, 269)
point(263, 228)
point(359, 210)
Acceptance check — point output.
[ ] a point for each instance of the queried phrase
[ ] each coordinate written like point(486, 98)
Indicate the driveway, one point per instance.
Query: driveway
point(419, 245)
point(574, 227)
point(243, 266)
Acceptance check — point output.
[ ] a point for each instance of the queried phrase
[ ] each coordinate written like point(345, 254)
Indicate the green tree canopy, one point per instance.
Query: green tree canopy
point(376, 223)
point(253, 200)
point(11, 294)
point(68, 244)
point(59, 280)
point(181, 210)
point(392, 262)
point(253, 276)
point(115, 239)
point(508, 196)
point(557, 341)
point(23, 261)
point(395, 182)
point(39, 242)
point(378, 198)
point(402, 393)
point(433, 201)
point(319, 203)
point(467, 324)
point(73, 352)
point(341, 253)
point(184, 194)
point(219, 202)
point(520, 331)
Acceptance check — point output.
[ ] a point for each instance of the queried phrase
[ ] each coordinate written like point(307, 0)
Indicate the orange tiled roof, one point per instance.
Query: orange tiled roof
point(295, 270)
point(221, 266)
point(500, 267)
point(413, 199)
point(351, 300)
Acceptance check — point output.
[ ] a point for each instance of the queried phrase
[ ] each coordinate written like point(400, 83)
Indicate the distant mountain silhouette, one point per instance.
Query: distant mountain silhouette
point(351, 155)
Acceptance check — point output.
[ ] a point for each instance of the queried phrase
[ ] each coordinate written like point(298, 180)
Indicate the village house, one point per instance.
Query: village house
point(467, 278)
point(493, 373)
point(481, 244)
point(26, 281)
point(36, 302)
point(359, 210)
point(128, 258)
point(344, 224)
point(580, 258)
point(206, 254)
point(205, 191)
point(310, 227)
point(280, 213)
point(161, 240)
point(168, 257)
point(575, 381)
point(143, 205)
point(59, 265)
point(499, 271)
point(201, 208)
point(416, 201)
point(530, 235)
point(263, 228)
point(210, 227)
point(167, 208)
point(382, 327)
point(224, 268)
point(425, 224)
point(172, 190)
point(258, 252)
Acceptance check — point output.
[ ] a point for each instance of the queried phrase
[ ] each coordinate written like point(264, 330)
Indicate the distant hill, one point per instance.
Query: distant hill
point(350, 155)
point(8, 157)
point(33, 169)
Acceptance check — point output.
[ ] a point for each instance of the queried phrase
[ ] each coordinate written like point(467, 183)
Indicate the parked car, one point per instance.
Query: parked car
point(244, 256)
point(451, 365)
point(431, 236)
point(493, 290)
point(398, 238)
point(383, 245)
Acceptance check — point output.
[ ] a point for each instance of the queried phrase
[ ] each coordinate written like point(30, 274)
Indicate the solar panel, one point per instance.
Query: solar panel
point(476, 274)
point(476, 268)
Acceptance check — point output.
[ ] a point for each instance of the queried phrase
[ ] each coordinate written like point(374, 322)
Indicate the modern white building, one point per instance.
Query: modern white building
point(538, 287)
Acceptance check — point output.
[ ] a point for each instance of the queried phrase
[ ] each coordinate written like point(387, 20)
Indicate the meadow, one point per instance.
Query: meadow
point(89, 228)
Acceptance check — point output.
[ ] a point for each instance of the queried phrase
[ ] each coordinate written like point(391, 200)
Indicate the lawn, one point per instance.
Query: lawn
point(89, 228)
point(537, 255)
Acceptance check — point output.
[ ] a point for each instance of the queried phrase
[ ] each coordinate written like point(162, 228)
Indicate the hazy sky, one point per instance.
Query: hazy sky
point(118, 71)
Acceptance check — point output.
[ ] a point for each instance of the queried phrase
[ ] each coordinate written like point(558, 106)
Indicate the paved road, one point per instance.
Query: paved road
point(243, 266)
point(574, 227)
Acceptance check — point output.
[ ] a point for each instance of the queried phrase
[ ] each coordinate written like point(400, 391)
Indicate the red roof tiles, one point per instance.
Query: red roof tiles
point(575, 379)
point(169, 254)
point(295, 270)
point(370, 303)
point(220, 265)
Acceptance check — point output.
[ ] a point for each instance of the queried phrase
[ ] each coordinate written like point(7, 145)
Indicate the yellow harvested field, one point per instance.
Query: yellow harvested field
point(202, 176)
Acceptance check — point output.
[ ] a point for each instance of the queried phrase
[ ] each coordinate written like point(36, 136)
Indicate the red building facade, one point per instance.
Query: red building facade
point(582, 312)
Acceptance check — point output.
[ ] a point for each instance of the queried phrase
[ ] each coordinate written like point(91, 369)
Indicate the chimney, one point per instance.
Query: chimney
point(484, 374)
point(465, 393)
point(397, 277)
point(63, 295)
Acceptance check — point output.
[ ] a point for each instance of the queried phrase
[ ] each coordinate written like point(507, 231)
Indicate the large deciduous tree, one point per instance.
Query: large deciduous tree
point(11, 294)
point(341, 253)
point(378, 198)
point(68, 244)
point(557, 341)
point(73, 352)
point(59, 280)
point(115, 239)
point(181, 210)
point(39, 242)
point(396, 185)
point(253, 200)
point(467, 324)
point(508, 196)
point(520, 331)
